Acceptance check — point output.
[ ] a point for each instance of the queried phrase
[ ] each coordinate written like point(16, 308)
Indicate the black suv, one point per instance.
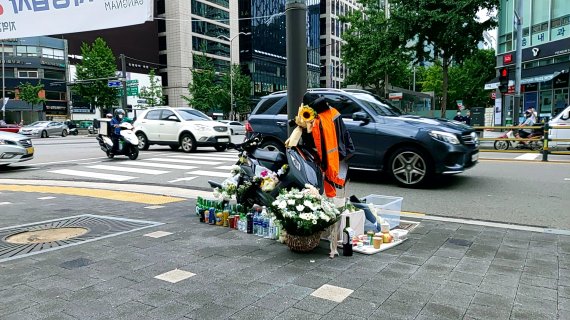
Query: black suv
point(413, 149)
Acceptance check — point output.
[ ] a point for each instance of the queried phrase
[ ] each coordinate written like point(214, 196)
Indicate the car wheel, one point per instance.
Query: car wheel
point(44, 134)
point(220, 148)
point(134, 153)
point(501, 145)
point(143, 141)
point(410, 167)
point(174, 146)
point(188, 143)
point(273, 145)
point(64, 133)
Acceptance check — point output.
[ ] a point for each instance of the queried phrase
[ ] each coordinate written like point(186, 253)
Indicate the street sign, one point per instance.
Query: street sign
point(395, 96)
point(132, 83)
point(114, 84)
point(131, 92)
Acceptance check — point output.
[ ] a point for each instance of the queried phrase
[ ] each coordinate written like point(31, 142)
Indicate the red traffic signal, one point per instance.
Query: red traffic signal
point(504, 72)
point(504, 77)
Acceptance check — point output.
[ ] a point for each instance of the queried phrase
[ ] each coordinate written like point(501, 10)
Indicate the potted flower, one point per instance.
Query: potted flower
point(304, 214)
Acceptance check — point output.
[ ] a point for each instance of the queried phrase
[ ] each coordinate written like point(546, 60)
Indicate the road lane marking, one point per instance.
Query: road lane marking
point(46, 198)
point(216, 157)
point(566, 179)
point(95, 175)
point(210, 173)
point(183, 161)
point(161, 165)
point(127, 169)
point(66, 161)
point(182, 179)
point(124, 196)
point(224, 167)
point(5, 203)
point(528, 156)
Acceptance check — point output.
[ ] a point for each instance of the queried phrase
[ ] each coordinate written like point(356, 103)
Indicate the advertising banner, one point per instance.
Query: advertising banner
point(30, 18)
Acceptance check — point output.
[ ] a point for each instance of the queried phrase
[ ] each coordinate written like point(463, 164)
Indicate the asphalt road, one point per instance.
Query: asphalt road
point(508, 190)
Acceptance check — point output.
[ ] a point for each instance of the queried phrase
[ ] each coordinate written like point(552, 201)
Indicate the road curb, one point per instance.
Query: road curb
point(522, 160)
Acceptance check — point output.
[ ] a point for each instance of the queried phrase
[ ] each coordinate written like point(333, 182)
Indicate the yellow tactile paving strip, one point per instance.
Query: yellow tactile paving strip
point(95, 193)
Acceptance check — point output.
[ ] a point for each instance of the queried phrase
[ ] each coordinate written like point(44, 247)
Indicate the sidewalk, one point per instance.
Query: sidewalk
point(444, 271)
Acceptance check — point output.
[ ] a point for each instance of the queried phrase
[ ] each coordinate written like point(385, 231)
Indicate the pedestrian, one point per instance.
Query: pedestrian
point(467, 118)
point(458, 117)
point(21, 122)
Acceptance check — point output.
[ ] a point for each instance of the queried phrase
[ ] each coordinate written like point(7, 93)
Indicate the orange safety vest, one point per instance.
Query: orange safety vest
point(325, 122)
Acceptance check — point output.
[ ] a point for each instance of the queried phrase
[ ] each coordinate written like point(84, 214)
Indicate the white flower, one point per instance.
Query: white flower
point(282, 205)
point(300, 208)
point(290, 202)
point(314, 221)
point(298, 196)
point(308, 203)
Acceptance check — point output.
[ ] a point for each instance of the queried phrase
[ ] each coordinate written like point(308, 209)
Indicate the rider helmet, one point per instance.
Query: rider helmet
point(119, 114)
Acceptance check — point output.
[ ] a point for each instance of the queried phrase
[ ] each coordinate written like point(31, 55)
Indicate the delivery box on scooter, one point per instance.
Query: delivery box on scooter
point(104, 126)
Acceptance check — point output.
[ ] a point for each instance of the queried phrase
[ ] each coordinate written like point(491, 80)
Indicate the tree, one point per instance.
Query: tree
point(468, 80)
point(97, 66)
point(31, 93)
point(204, 91)
point(372, 49)
point(241, 90)
point(449, 27)
point(153, 94)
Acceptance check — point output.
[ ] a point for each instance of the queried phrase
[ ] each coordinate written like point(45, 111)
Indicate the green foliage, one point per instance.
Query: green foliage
point(98, 62)
point(372, 49)
point(450, 27)
point(30, 93)
point(209, 92)
point(153, 94)
point(204, 91)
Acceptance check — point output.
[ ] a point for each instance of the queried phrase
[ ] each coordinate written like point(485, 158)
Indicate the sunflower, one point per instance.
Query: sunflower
point(307, 113)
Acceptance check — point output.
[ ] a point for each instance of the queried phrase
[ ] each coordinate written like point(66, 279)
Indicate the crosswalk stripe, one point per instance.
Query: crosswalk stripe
point(127, 169)
point(210, 173)
point(528, 156)
point(183, 161)
point(161, 165)
point(224, 167)
point(95, 175)
point(220, 158)
point(5, 203)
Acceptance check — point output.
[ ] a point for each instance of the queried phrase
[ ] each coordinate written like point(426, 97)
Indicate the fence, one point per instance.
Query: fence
point(542, 143)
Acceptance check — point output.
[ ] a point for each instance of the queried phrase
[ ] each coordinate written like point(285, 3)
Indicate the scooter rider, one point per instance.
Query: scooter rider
point(524, 133)
point(116, 132)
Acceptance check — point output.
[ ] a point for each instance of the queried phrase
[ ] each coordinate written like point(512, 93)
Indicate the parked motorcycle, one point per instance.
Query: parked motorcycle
point(534, 144)
point(302, 169)
point(128, 143)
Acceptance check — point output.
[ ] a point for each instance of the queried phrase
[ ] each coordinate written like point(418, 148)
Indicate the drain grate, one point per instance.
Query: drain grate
point(98, 227)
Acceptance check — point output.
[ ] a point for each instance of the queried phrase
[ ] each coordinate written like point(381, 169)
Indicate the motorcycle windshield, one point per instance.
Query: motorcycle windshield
point(303, 171)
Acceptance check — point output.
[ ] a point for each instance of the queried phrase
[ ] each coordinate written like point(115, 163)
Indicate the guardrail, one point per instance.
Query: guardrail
point(542, 148)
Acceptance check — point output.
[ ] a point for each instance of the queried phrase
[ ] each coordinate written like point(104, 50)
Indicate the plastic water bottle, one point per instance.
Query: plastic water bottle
point(271, 230)
point(256, 227)
point(266, 227)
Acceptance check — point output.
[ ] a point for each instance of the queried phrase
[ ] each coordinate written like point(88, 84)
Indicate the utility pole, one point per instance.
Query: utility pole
point(386, 80)
point(518, 60)
point(124, 81)
point(295, 17)
point(3, 86)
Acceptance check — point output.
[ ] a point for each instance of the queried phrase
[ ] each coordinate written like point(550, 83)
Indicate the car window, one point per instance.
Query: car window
point(272, 105)
point(153, 115)
point(38, 123)
point(377, 104)
point(345, 106)
point(235, 124)
point(192, 115)
point(166, 114)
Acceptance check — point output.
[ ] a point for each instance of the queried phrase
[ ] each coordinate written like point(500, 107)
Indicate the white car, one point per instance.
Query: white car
point(235, 127)
point(180, 127)
point(561, 121)
point(15, 148)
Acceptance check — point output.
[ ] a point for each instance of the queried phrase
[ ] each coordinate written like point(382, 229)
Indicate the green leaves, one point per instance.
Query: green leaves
point(30, 93)
point(98, 64)
point(153, 94)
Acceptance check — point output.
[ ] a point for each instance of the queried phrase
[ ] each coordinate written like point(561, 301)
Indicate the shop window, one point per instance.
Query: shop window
point(52, 53)
point(27, 51)
point(8, 50)
point(28, 74)
point(54, 74)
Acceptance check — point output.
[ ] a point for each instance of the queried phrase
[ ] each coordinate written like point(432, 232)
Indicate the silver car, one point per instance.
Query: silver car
point(15, 148)
point(45, 129)
point(235, 127)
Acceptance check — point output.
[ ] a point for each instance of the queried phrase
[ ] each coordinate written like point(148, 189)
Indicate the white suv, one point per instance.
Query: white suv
point(180, 127)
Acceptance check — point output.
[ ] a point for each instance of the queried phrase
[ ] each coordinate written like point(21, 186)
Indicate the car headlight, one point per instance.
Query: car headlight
point(201, 127)
point(35, 131)
point(444, 136)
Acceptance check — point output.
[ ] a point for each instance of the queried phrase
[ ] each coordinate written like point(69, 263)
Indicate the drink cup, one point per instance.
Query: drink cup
point(377, 241)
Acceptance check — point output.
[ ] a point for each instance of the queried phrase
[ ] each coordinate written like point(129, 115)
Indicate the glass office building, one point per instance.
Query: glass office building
point(263, 54)
point(545, 55)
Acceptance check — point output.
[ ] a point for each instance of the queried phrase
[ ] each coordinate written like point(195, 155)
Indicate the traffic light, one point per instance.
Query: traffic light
point(504, 80)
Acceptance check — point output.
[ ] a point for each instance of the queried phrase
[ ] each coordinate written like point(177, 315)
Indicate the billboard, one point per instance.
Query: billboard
point(19, 18)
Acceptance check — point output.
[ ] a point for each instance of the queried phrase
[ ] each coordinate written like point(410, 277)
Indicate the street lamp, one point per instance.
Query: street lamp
point(232, 71)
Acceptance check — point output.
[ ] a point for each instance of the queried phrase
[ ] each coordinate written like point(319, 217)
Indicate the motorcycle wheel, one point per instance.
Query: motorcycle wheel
point(536, 146)
point(110, 155)
point(75, 133)
point(501, 145)
point(134, 153)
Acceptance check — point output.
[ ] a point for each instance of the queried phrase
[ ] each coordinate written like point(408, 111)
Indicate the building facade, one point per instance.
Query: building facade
point(35, 60)
point(263, 55)
point(333, 71)
point(545, 57)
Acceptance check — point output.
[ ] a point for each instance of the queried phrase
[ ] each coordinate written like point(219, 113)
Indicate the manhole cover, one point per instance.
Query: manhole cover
point(46, 235)
point(29, 239)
